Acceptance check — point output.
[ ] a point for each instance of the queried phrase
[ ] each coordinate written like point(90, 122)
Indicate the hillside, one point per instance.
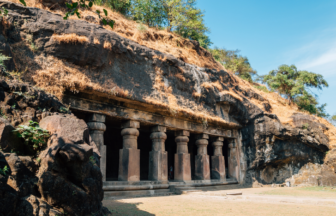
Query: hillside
point(170, 43)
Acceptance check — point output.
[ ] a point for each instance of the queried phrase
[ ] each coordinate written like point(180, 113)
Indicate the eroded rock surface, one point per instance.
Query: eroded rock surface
point(65, 178)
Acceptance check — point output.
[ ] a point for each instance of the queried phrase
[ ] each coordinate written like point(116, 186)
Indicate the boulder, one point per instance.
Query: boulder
point(68, 178)
point(53, 3)
point(8, 198)
point(22, 178)
point(32, 205)
point(68, 127)
point(8, 140)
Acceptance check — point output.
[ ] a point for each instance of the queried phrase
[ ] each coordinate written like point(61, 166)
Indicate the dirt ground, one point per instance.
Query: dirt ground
point(253, 201)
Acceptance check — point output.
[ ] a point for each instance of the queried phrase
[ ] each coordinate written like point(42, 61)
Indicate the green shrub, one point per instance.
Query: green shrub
point(33, 135)
point(4, 171)
point(261, 88)
point(305, 126)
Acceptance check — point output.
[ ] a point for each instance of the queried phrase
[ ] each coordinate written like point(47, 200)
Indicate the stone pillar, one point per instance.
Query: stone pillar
point(182, 167)
point(158, 157)
point(232, 160)
point(97, 128)
point(218, 160)
point(129, 155)
point(202, 163)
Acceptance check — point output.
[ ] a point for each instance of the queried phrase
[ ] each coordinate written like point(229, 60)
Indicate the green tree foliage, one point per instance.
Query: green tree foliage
point(121, 6)
point(292, 83)
point(149, 12)
point(295, 85)
point(232, 60)
point(180, 16)
point(183, 17)
point(333, 119)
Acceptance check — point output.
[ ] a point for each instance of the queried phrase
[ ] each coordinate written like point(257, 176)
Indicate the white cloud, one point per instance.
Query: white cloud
point(318, 56)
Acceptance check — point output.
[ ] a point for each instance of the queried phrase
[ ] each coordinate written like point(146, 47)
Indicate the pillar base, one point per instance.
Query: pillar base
point(182, 167)
point(202, 167)
point(129, 165)
point(218, 167)
point(158, 166)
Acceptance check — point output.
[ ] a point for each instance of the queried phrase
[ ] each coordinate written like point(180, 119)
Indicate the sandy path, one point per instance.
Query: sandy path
point(254, 201)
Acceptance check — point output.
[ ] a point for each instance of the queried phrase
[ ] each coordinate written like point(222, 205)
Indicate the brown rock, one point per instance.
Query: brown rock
point(70, 180)
point(68, 127)
point(8, 140)
point(32, 205)
point(8, 198)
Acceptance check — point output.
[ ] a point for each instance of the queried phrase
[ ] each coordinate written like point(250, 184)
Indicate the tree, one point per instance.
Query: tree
point(231, 60)
point(180, 16)
point(293, 83)
point(149, 12)
point(333, 119)
point(121, 6)
point(187, 20)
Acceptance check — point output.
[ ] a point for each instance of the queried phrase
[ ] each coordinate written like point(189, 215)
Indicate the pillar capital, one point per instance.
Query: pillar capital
point(95, 117)
point(159, 128)
point(182, 133)
point(130, 124)
point(202, 136)
point(99, 126)
point(221, 139)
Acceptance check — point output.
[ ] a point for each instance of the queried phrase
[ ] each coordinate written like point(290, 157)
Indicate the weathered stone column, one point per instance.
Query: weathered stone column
point(182, 168)
point(129, 155)
point(218, 160)
point(158, 157)
point(232, 160)
point(97, 128)
point(202, 163)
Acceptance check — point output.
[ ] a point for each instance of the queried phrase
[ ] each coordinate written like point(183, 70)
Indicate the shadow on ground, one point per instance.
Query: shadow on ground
point(119, 208)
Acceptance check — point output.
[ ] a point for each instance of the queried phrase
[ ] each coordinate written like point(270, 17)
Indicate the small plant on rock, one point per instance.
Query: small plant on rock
point(64, 110)
point(33, 135)
point(305, 126)
point(92, 160)
point(4, 171)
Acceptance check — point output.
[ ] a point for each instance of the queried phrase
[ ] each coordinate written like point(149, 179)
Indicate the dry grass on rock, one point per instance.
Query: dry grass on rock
point(161, 40)
point(70, 38)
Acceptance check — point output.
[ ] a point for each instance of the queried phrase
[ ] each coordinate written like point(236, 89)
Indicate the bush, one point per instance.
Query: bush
point(4, 171)
point(261, 88)
point(33, 135)
point(305, 126)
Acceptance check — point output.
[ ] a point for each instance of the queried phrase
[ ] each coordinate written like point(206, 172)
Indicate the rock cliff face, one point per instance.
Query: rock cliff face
point(99, 63)
point(65, 178)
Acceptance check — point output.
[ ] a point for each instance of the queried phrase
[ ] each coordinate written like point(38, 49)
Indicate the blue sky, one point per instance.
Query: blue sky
point(275, 32)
